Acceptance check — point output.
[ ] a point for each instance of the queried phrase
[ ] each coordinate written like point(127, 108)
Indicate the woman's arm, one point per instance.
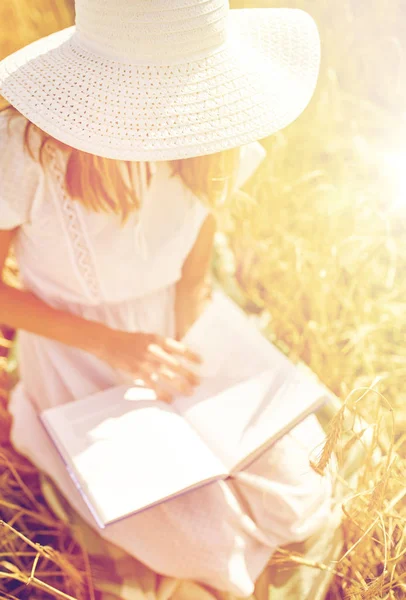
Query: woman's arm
point(194, 287)
point(141, 354)
point(23, 310)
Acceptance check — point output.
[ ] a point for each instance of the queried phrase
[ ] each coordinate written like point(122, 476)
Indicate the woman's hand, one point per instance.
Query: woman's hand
point(155, 359)
point(190, 302)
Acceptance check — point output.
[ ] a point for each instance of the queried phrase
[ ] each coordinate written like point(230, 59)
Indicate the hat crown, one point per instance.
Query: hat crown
point(152, 31)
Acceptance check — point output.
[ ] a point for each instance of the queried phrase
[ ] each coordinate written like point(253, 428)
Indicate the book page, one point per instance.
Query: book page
point(283, 406)
point(229, 343)
point(128, 452)
point(250, 392)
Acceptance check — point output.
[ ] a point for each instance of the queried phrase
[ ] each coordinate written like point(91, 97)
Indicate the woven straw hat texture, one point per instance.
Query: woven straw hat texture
point(166, 79)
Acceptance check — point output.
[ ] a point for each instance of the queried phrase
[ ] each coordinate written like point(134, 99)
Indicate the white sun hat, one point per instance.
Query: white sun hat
point(166, 79)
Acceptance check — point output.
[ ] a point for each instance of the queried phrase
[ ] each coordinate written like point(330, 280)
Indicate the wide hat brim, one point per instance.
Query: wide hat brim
point(257, 83)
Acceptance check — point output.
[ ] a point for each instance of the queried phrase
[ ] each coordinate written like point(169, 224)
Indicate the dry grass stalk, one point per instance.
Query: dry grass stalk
point(24, 520)
point(330, 446)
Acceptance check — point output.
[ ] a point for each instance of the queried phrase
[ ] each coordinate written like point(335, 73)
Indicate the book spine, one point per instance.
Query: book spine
point(48, 429)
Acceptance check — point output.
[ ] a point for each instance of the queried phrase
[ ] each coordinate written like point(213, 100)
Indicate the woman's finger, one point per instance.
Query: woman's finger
point(153, 383)
point(177, 347)
point(162, 357)
point(167, 376)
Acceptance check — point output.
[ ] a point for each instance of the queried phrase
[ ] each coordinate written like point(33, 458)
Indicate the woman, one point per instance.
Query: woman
point(126, 131)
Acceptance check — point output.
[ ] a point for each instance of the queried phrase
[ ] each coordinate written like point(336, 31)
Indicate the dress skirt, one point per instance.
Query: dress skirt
point(222, 534)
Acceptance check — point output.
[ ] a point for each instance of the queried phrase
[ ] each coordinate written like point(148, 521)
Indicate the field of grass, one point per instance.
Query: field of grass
point(315, 249)
point(320, 257)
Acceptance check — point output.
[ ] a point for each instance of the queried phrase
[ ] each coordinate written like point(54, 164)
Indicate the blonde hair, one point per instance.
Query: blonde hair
point(98, 183)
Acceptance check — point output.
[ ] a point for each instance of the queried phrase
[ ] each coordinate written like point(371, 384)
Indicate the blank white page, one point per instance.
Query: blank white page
point(287, 402)
point(229, 343)
point(251, 393)
point(128, 452)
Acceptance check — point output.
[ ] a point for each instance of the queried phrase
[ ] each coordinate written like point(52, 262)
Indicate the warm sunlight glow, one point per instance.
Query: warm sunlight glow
point(395, 163)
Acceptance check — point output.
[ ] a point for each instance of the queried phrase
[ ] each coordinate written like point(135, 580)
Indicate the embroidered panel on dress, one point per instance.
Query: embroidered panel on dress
point(80, 245)
point(82, 256)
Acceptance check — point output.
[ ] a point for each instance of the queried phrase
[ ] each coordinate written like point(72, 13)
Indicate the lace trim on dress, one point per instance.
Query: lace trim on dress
point(82, 255)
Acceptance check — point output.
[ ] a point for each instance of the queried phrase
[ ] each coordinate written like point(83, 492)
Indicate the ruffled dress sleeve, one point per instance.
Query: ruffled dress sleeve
point(19, 173)
point(251, 156)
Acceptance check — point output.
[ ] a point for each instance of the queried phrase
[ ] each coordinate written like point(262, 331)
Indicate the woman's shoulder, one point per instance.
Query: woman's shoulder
point(170, 181)
point(251, 156)
point(12, 126)
point(15, 129)
point(20, 171)
point(12, 123)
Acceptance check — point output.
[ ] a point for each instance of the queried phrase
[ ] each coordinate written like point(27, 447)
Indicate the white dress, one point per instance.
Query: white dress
point(224, 533)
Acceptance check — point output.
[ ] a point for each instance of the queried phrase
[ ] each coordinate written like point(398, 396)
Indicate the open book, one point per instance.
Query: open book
point(126, 451)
